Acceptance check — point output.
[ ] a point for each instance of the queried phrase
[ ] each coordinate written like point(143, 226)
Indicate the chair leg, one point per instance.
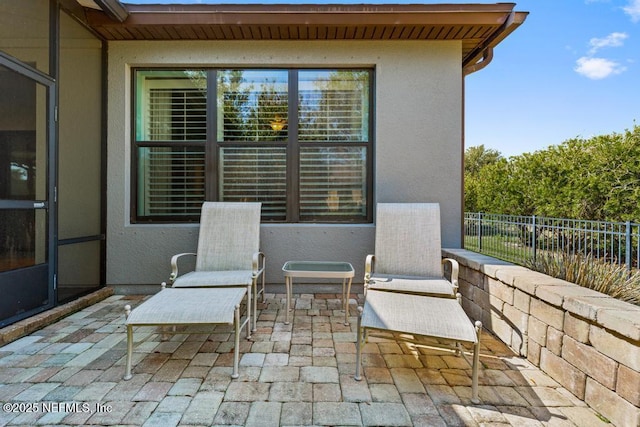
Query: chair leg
point(236, 350)
point(255, 305)
point(476, 363)
point(249, 312)
point(359, 344)
point(127, 372)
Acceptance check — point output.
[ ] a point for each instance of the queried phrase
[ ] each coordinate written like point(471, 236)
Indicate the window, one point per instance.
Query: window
point(299, 141)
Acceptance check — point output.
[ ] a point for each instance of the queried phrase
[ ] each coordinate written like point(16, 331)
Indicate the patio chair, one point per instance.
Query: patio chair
point(228, 252)
point(408, 253)
point(407, 297)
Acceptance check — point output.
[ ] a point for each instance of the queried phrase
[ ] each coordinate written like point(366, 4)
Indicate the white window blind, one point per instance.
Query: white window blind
point(176, 114)
point(171, 181)
point(332, 182)
point(249, 174)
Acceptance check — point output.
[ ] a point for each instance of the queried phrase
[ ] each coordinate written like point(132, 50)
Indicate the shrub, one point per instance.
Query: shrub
point(613, 280)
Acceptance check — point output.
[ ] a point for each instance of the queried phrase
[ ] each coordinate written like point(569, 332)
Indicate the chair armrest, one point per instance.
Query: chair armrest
point(455, 268)
point(257, 264)
point(369, 265)
point(174, 265)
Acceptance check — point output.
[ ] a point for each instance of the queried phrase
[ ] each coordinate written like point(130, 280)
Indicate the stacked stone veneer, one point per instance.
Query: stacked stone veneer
point(585, 340)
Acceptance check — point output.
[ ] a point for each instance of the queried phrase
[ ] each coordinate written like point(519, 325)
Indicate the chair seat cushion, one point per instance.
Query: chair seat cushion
point(418, 315)
point(436, 286)
point(197, 279)
point(185, 307)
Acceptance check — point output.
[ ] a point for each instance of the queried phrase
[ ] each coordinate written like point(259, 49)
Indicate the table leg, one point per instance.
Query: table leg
point(345, 299)
point(287, 285)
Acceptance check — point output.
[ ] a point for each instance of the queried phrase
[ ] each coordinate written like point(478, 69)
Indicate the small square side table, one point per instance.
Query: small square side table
point(319, 270)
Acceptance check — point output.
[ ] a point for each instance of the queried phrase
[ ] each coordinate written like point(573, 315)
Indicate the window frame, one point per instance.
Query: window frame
point(212, 148)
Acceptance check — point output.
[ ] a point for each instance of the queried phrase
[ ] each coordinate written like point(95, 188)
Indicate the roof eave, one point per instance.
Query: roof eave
point(114, 9)
point(509, 26)
point(480, 27)
point(314, 14)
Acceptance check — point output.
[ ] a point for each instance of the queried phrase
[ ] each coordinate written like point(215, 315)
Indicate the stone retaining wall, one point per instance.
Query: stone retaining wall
point(587, 341)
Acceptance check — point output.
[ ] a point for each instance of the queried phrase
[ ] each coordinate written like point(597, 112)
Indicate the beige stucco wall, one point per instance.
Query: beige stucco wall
point(24, 31)
point(79, 154)
point(417, 145)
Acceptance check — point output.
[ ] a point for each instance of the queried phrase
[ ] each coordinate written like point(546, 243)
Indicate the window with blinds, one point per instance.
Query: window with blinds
point(333, 108)
point(241, 147)
point(172, 108)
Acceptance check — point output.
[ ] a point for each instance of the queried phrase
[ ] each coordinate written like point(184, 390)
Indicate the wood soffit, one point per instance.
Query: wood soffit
point(478, 26)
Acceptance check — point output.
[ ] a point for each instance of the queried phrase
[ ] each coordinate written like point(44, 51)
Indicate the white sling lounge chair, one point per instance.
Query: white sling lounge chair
point(228, 253)
point(408, 252)
point(407, 297)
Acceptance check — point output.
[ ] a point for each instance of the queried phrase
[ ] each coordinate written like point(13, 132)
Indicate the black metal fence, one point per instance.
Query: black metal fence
point(516, 238)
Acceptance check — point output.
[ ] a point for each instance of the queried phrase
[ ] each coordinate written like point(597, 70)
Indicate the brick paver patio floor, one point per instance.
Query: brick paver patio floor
point(70, 373)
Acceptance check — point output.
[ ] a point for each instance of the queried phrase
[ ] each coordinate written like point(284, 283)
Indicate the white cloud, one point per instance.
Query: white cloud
point(597, 68)
point(633, 10)
point(612, 40)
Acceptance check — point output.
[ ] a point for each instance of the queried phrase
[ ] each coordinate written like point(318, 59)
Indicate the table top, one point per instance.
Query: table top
point(318, 269)
point(189, 306)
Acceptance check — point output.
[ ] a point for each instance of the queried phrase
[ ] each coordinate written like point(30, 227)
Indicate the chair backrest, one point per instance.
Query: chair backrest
point(408, 239)
point(229, 236)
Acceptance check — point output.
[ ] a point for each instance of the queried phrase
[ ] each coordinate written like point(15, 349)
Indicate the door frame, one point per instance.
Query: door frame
point(50, 204)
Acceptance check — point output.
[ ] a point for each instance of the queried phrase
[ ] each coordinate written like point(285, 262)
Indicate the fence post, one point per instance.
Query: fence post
point(534, 237)
point(480, 232)
point(627, 245)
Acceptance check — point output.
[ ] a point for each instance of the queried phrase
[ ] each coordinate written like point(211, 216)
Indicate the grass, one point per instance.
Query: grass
point(587, 271)
point(499, 246)
point(610, 279)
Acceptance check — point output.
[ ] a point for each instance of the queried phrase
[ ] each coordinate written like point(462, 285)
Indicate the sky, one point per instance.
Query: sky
point(571, 70)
